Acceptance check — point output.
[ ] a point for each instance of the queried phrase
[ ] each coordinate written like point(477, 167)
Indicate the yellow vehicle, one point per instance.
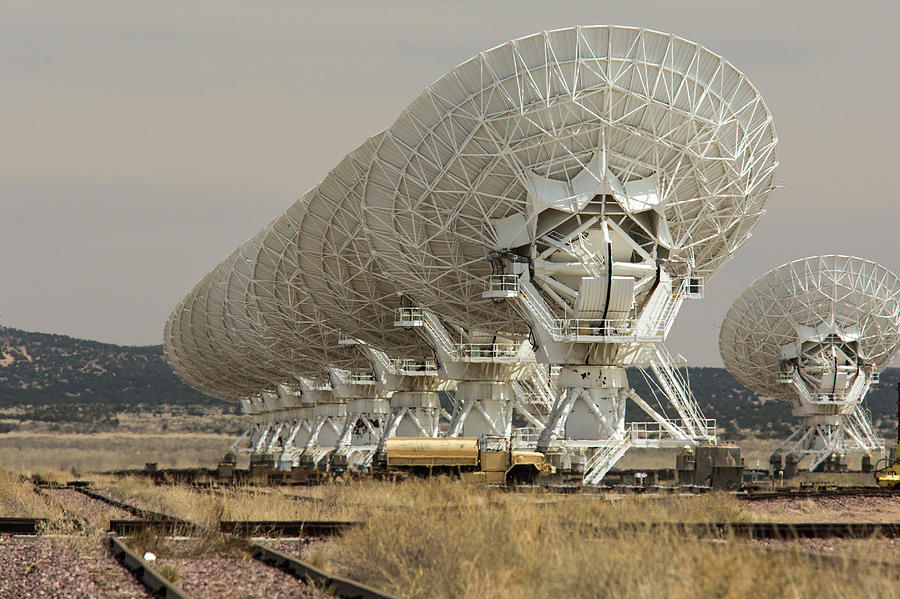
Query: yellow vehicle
point(888, 475)
point(486, 460)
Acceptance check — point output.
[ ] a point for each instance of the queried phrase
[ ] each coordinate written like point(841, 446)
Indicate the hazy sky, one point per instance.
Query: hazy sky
point(141, 143)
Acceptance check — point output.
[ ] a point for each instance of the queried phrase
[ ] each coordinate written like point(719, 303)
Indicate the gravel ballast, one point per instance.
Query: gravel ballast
point(51, 568)
point(87, 507)
point(234, 577)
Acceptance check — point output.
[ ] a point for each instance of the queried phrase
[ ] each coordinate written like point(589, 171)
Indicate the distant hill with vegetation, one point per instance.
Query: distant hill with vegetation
point(41, 369)
point(60, 379)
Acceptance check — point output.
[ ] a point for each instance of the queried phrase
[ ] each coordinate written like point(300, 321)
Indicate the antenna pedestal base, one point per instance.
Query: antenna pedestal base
point(482, 408)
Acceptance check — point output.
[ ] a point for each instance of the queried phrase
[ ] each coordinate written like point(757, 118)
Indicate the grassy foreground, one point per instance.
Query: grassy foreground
point(440, 538)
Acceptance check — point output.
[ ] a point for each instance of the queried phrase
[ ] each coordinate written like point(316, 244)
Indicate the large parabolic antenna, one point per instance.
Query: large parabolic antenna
point(816, 332)
point(592, 177)
point(605, 172)
point(558, 132)
point(246, 332)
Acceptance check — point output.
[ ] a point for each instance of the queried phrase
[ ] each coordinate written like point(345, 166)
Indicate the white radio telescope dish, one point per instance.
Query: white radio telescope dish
point(527, 142)
point(816, 332)
point(607, 170)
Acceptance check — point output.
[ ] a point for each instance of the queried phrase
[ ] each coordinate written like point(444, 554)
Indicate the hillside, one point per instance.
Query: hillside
point(40, 369)
point(99, 386)
point(58, 379)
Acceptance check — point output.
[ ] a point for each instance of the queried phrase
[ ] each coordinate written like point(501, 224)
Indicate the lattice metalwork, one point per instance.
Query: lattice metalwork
point(509, 144)
point(681, 138)
point(824, 300)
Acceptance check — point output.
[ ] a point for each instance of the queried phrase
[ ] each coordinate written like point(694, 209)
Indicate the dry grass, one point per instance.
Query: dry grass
point(191, 544)
point(439, 538)
point(239, 503)
point(365, 500)
point(18, 499)
point(525, 553)
point(29, 452)
point(479, 545)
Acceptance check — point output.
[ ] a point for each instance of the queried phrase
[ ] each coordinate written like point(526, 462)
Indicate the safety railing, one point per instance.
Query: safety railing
point(345, 339)
point(679, 393)
point(596, 327)
point(693, 288)
point(477, 352)
point(416, 368)
point(538, 309)
point(785, 377)
point(487, 350)
point(501, 286)
point(604, 458)
point(575, 246)
point(544, 384)
point(405, 317)
point(854, 394)
point(525, 437)
point(380, 360)
point(419, 317)
point(359, 378)
point(628, 329)
point(655, 431)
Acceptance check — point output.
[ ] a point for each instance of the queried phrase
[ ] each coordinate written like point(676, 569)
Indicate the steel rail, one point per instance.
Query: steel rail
point(823, 558)
point(339, 586)
point(157, 583)
point(164, 527)
point(816, 493)
point(77, 521)
point(242, 528)
point(22, 526)
point(150, 577)
point(293, 528)
point(754, 530)
point(137, 511)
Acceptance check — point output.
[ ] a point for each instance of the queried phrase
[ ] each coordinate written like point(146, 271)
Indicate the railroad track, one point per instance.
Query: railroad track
point(772, 530)
point(22, 526)
point(149, 519)
point(241, 528)
point(337, 585)
point(151, 577)
point(70, 517)
point(817, 493)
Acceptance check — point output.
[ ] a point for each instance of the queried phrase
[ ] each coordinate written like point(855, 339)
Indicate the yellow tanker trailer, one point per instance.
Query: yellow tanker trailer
point(485, 460)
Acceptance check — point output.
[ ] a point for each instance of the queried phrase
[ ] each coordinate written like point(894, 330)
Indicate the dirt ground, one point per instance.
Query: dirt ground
point(110, 451)
point(828, 509)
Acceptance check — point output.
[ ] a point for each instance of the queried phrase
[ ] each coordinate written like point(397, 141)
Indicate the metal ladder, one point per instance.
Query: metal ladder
point(544, 389)
point(575, 247)
point(670, 310)
point(605, 457)
point(537, 307)
point(861, 425)
point(440, 334)
point(678, 393)
point(529, 402)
